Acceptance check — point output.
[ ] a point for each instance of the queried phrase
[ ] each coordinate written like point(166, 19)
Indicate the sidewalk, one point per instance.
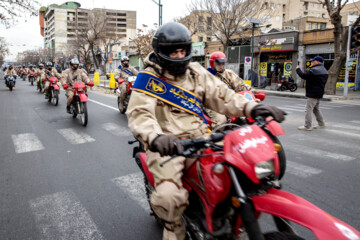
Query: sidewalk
point(300, 93)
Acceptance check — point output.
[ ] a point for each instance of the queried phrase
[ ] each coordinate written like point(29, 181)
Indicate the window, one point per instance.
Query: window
point(121, 25)
point(279, 6)
point(201, 18)
point(315, 25)
point(322, 25)
point(121, 19)
point(318, 15)
point(284, 7)
point(312, 5)
point(200, 39)
point(266, 18)
point(284, 17)
point(309, 25)
point(121, 14)
point(208, 39)
point(277, 18)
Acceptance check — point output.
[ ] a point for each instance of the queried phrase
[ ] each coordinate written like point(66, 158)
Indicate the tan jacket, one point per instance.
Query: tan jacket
point(149, 117)
point(39, 72)
point(53, 73)
point(236, 82)
point(69, 74)
point(10, 72)
point(121, 74)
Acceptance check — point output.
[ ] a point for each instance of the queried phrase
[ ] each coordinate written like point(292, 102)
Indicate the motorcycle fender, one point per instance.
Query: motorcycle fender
point(56, 87)
point(145, 167)
point(83, 97)
point(274, 127)
point(296, 209)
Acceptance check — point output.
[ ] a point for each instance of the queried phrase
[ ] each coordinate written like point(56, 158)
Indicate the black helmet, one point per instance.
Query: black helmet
point(24, 66)
point(167, 39)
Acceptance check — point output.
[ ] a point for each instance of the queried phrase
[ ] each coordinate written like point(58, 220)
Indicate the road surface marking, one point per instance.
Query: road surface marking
point(301, 170)
point(102, 104)
point(75, 137)
point(291, 109)
point(133, 184)
point(61, 216)
point(313, 152)
point(317, 139)
point(304, 106)
point(339, 132)
point(350, 127)
point(355, 121)
point(116, 129)
point(26, 142)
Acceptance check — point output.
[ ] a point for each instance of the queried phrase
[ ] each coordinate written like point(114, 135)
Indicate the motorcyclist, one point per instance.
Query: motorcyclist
point(230, 78)
point(49, 72)
point(24, 71)
point(39, 72)
point(8, 72)
point(124, 71)
point(70, 76)
point(159, 113)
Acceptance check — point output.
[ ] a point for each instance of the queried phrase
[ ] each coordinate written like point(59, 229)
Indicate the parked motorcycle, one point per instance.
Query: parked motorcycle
point(31, 78)
point(10, 82)
point(54, 90)
point(284, 85)
point(130, 82)
point(79, 103)
point(230, 186)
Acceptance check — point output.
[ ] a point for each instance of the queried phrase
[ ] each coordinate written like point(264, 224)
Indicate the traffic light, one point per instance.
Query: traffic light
point(355, 37)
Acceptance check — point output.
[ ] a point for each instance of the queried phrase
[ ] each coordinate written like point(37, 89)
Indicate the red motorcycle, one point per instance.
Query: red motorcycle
point(230, 186)
point(23, 74)
point(130, 82)
point(54, 90)
point(79, 103)
point(31, 77)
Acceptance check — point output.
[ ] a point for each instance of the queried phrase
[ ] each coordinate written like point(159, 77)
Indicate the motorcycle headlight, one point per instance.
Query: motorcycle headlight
point(264, 169)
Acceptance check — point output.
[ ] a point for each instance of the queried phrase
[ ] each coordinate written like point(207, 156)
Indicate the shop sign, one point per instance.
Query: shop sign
point(287, 68)
point(263, 69)
point(272, 48)
point(280, 56)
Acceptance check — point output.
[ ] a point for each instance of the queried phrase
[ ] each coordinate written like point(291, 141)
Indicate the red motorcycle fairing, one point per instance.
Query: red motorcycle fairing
point(120, 81)
point(296, 209)
point(246, 147)
point(82, 95)
point(56, 87)
point(148, 174)
point(274, 127)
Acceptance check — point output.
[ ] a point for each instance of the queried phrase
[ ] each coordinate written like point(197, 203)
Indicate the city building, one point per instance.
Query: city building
point(59, 23)
point(307, 23)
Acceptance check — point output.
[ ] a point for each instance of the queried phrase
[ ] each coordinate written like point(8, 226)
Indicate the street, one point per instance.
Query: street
point(60, 180)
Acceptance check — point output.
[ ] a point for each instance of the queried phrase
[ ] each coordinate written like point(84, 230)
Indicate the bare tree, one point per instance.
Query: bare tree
point(143, 40)
point(190, 22)
point(11, 10)
point(226, 18)
point(4, 50)
point(334, 8)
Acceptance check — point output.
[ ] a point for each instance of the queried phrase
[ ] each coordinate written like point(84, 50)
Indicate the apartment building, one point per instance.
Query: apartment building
point(59, 23)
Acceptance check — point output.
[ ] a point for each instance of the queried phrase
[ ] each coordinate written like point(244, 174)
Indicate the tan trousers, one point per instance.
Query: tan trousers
point(313, 106)
point(170, 198)
point(216, 118)
point(46, 87)
point(70, 96)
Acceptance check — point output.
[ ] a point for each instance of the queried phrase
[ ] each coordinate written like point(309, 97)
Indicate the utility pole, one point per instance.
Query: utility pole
point(160, 11)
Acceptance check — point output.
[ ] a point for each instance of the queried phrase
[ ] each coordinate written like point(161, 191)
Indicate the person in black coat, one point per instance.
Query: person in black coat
point(316, 79)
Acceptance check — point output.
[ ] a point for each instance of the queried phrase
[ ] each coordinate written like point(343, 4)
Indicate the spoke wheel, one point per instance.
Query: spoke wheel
point(293, 88)
point(55, 99)
point(84, 115)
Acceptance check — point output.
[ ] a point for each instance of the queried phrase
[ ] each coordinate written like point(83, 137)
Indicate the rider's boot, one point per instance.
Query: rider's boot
point(68, 109)
point(174, 231)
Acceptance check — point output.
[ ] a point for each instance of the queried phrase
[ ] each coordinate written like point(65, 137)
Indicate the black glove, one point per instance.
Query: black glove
point(265, 111)
point(166, 145)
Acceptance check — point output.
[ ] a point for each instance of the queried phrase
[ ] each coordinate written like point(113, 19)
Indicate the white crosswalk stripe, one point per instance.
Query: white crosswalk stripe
point(355, 121)
point(339, 133)
point(346, 126)
point(133, 184)
point(291, 109)
point(61, 216)
point(26, 142)
point(74, 137)
point(301, 170)
point(116, 130)
point(313, 152)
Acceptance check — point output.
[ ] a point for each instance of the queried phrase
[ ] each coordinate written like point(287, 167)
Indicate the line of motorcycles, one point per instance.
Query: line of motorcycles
point(79, 104)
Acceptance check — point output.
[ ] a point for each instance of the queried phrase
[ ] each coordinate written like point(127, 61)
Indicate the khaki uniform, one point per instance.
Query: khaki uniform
point(68, 78)
point(149, 117)
point(119, 73)
point(40, 73)
point(9, 72)
point(47, 74)
point(237, 84)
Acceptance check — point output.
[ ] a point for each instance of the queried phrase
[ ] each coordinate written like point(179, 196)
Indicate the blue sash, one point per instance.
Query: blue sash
point(219, 76)
point(150, 84)
point(127, 71)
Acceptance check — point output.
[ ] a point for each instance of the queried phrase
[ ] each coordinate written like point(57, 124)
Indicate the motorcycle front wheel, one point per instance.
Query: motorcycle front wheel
point(84, 115)
point(10, 86)
point(32, 81)
point(55, 98)
point(293, 88)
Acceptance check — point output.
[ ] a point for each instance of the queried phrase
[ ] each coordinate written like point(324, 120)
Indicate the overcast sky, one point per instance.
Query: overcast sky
point(26, 34)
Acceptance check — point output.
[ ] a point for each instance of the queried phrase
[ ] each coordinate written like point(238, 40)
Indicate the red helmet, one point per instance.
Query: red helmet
point(218, 57)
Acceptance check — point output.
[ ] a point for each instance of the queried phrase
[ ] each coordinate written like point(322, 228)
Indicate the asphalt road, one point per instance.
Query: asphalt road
point(60, 180)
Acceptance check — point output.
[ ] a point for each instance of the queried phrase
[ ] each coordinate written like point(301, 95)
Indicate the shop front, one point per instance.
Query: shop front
point(278, 53)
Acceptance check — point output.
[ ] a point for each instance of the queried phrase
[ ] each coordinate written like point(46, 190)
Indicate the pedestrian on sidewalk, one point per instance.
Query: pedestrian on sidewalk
point(316, 79)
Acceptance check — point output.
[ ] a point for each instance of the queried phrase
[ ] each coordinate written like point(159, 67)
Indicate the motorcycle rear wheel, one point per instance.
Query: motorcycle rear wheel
point(293, 88)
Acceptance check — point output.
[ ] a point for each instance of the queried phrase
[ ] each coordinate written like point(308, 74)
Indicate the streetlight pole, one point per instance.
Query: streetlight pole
point(160, 11)
point(252, 49)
